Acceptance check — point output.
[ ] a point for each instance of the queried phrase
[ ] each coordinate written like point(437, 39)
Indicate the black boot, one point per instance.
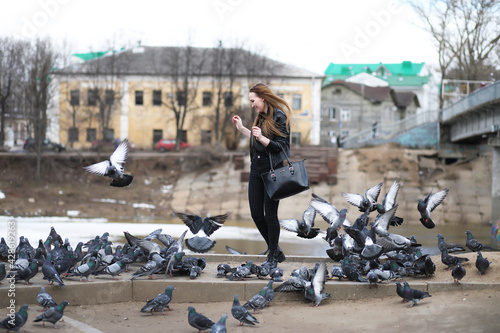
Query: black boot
point(281, 255)
point(272, 259)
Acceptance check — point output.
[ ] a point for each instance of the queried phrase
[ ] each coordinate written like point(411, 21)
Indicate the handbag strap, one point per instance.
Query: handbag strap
point(290, 166)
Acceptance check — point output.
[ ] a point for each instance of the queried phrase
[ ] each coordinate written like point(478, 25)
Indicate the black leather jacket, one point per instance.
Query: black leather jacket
point(277, 155)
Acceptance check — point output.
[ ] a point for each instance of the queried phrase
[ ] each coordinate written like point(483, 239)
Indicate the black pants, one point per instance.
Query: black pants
point(264, 211)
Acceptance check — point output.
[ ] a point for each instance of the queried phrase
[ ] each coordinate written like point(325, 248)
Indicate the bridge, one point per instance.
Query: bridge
point(459, 131)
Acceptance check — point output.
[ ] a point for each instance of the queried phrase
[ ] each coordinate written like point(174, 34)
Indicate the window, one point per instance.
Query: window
point(228, 99)
point(337, 91)
point(345, 114)
point(206, 137)
point(73, 134)
point(181, 98)
point(297, 102)
point(157, 135)
point(296, 138)
point(331, 133)
point(109, 97)
point(109, 134)
point(157, 97)
point(184, 136)
point(139, 97)
point(207, 98)
point(91, 134)
point(74, 97)
point(330, 112)
point(92, 97)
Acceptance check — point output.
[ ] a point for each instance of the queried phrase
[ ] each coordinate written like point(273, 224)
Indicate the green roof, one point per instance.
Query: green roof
point(406, 73)
point(90, 55)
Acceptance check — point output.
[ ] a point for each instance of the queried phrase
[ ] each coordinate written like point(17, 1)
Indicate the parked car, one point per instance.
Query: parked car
point(169, 144)
point(102, 145)
point(47, 145)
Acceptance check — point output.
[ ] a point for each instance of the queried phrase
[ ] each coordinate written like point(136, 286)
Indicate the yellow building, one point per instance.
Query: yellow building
point(141, 93)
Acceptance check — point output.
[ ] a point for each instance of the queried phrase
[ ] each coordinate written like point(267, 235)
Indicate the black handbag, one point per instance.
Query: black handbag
point(286, 181)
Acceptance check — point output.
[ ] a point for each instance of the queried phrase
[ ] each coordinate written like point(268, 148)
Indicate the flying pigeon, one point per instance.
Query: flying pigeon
point(442, 244)
point(482, 264)
point(45, 300)
point(368, 201)
point(413, 296)
point(314, 289)
point(52, 315)
point(207, 226)
point(389, 201)
point(241, 313)
point(331, 215)
point(458, 272)
point(303, 228)
point(198, 321)
point(15, 324)
point(160, 302)
point(427, 205)
point(113, 167)
point(450, 260)
point(473, 244)
point(220, 326)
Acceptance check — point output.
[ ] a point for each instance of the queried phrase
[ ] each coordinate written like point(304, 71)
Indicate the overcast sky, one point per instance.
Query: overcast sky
point(309, 34)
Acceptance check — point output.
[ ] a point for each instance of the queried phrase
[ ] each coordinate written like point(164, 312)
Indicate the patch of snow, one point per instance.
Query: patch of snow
point(121, 202)
point(147, 181)
point(143, 206)
point(2, 195)
point(165, 189)
point(73, 213)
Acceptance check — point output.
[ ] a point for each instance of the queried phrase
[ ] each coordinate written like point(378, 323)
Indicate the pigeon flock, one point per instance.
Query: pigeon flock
point(366, 251)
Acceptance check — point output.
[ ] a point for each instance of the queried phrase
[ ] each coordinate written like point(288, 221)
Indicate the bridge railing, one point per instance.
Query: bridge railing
point(387, 131)
point(479, 97)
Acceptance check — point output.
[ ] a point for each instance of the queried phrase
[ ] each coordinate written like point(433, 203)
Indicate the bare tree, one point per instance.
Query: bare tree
point(465, 32)
point(40, 62)
point(11, 75)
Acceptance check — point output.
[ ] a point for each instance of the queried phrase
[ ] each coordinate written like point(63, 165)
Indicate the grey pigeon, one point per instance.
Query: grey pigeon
point(45, 300)
point(234, 251)
point(27, 273)
point(240, 272)
point(389, 201)
point(458, 272)
point(256, 302)
point(175, 260)
point(220, 326)
point(223, 269)
point(260, 271)
point(205, 227)
point(160, 302)
point(413, 296)
point(241, 314)
point(53, 314)
point(293, 284)
point(303, 228)
point(444, 245)
point(372, 278)
point(337, 272)
point(473, 244)
point(50, 273)
point(114, 269)
point(269, 292)
point(84, 270)
point(194, 272)
point(450, 260)
point(482, 264)
point(400, 291)
point(198, 320)
point(336, 252)
point(276, 274)
point(366, 202)
point(149, 268)
point(147, 245)
point(428, 204)
point(314, 290)
point(382, 221)
point(3, 271)
point(15, 324)
point(113, 168)
point(331, 215)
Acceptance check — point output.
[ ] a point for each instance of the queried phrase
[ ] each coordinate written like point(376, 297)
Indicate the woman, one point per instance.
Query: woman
point(270, 132)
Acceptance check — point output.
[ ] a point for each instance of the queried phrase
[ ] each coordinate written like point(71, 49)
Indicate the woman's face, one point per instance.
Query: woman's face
point(258, 103)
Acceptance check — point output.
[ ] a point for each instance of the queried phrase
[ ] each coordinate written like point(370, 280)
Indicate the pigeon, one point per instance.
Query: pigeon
point(3, 271)
point(331, 215)
point(382, 221)
point(194, 272)
point(160, 302)
point(27, 273)
point(400, 291)
point(473, 244)
point(293, 284)
point(240, 272)
point(372, 278)
point(207, 226)
point(114, 269)
point(234, 251)
point(45, 300)
point(314, 289)
point(442, 245)
point(482, 264)
point(84, 270)
point(15, 323)
point(223, 270)
point(413, 296)
point(113, 168)
point(220, 326)
point(150, 268)
point(427, 205)
point(337, 272)
point(53, 314)
point(303, 228)
point(50, 273)
point(351, 271)
point(241, 313)
point(429, 266)
point(371, 250)
point(389, 201)
point(4, 249)
point(450, 260)
point(269, 292)
point(147, 245)
point(368, 201)
point(458, 272)
point(198, 321)
point(256, 302)
point(276, 274)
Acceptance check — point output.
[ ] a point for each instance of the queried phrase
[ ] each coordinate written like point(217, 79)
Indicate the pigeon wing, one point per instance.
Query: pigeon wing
point(435, 199)
point(354, 199)
point(119, 156)
point(384, 220)
point(194, 222)
point(210, 224)
point(100, 168)
point(290, 224)
point(308, 216)
point(390, 197)
point(373, 192)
